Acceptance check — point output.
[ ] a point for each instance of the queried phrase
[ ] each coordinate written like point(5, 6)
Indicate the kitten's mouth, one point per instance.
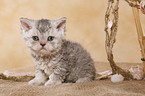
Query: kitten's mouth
point(42, 49)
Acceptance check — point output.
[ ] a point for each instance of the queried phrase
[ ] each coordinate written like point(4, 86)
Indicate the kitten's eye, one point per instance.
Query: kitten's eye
point(50, 38)
point(35, 38)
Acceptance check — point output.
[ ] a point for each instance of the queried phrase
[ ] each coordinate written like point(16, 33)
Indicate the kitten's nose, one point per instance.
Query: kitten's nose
point(42, 44)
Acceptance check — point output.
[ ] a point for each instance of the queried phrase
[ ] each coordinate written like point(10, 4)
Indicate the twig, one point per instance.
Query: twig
point(110, 38)
point(16, 78)
point(130, 2)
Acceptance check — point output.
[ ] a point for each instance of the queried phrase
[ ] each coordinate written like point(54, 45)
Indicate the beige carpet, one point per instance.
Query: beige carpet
point(95, 88)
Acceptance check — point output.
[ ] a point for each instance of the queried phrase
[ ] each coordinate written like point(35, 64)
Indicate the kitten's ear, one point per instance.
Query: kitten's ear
point(60, 23)
point(26, 24)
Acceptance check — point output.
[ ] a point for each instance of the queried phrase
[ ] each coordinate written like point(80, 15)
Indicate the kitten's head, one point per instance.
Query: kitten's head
point(43, 36)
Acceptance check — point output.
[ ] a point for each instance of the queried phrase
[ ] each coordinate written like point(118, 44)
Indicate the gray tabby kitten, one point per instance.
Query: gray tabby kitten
point(57, 59)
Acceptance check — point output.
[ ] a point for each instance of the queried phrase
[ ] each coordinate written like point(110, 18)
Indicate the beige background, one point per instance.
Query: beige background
point(85, 24)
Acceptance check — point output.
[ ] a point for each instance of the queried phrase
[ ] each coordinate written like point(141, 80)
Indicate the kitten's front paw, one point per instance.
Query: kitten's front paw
point(50, 82)
point(36, 82)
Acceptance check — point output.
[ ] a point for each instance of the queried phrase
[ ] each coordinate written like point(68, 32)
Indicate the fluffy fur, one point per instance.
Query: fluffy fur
point(58, 60)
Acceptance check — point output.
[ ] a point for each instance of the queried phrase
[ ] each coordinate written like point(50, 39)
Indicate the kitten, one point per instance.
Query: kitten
point(57, 59)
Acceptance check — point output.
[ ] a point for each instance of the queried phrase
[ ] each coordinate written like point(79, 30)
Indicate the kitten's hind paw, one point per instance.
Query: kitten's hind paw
point(36, 82)
point(84, 80)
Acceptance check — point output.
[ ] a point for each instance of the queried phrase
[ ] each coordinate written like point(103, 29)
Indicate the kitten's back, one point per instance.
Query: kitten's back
point(79, 61)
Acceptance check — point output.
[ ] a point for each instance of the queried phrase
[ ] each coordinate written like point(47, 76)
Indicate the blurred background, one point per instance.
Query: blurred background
point(85, 24)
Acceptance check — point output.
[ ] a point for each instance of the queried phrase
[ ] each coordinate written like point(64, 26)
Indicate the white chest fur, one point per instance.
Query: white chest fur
point(48, 66)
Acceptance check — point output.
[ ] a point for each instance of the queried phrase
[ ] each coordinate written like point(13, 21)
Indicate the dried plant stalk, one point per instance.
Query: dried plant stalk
point(141, 37)
point(16, 78)
point(130, 2)
point(110, 38)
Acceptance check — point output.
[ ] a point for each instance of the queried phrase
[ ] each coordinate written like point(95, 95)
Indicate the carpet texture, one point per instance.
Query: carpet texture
point(95, 88)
